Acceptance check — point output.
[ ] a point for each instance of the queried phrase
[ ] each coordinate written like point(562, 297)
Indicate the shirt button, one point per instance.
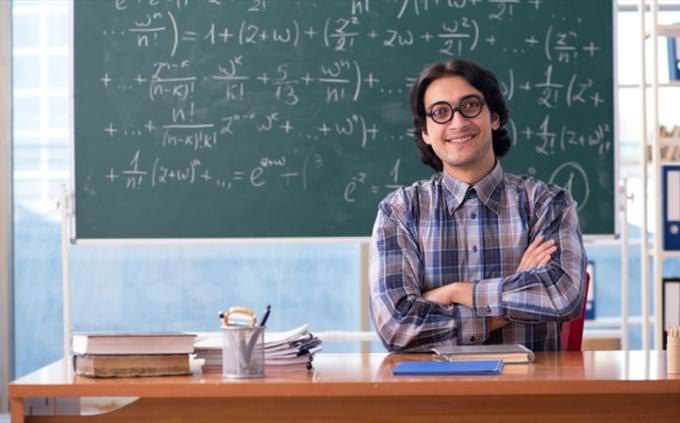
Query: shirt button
point(473, 216)
point(474, 248)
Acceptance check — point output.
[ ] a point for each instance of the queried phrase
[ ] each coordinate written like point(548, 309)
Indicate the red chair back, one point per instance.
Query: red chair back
point(571, 334)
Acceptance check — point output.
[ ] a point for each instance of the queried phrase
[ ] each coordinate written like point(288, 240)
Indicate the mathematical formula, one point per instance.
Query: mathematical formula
point(235, 95)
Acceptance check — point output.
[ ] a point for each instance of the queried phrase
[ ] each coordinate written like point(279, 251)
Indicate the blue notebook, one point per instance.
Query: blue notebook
point(466, 367)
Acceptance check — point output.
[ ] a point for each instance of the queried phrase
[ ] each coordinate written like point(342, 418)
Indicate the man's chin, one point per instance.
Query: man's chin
point(462, 163)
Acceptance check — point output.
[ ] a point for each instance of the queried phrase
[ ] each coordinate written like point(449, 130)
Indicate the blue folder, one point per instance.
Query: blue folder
point(670, 186)
point(464, 367)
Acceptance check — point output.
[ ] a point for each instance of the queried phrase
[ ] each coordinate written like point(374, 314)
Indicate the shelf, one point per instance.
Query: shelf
point(669, 141)
point(670, 84)
point(668, 30)
point(666, 254)
point(670, 254)
point(669, 151)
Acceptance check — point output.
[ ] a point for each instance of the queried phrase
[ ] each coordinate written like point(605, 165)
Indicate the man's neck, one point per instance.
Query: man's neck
point(471, 176)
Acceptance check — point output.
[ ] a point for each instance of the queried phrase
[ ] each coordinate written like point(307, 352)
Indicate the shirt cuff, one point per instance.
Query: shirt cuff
point(487, 297)
point(472, 330)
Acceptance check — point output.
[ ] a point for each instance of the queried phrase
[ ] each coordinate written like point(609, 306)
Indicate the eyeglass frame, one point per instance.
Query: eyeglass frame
point(457, 109)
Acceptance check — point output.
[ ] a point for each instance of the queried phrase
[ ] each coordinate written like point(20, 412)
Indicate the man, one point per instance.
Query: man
point(473, 255)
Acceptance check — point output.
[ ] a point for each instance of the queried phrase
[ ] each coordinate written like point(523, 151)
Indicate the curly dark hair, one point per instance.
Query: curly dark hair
point(478, 77)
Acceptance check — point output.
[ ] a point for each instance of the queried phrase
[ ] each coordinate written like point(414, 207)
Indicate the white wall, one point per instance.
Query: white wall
point(5, 201)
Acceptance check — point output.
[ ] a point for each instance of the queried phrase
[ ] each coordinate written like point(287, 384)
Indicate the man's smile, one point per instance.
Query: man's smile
point(460, 140)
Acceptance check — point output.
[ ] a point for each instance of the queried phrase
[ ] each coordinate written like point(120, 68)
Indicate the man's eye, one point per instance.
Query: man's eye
point(470, 105)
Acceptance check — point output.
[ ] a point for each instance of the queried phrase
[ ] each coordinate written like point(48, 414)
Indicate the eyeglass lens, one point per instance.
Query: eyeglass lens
point(469, 107)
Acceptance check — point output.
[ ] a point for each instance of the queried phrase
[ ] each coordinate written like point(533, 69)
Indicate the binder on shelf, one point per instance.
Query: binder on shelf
point(670, 298)
point(590, 295)
point(670, 180)
point(673, 58)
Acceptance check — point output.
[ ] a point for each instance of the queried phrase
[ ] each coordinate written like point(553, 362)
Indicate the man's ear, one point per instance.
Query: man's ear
point(426, 138)
point(495, 121)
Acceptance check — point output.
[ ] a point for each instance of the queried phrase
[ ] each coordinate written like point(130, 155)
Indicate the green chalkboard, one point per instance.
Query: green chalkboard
point(289, 118)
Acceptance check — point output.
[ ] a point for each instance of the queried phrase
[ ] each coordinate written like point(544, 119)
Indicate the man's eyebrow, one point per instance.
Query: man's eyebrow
point(457, 100)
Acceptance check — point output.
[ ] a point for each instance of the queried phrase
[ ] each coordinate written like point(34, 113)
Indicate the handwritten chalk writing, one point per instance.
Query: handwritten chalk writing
point(551, 142)
point(573, 177)
point(292, 99)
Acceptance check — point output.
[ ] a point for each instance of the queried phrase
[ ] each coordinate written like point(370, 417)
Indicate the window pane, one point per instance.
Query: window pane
point(26, 72)
point(57, 68)
point(630, 124)
point(29, 193)
point(26, 112)
point(58, 157)
point(56, 29)
point(26, 31)
point(27, 155)
point(57, 107)
point(628, 52)
point(669, 106)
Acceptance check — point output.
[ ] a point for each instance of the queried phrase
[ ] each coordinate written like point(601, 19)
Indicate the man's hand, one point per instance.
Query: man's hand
point(453, 293)
point(442, 295)
point(537, 254)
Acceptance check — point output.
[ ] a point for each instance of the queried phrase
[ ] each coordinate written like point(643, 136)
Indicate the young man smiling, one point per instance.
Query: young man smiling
point(473, 255)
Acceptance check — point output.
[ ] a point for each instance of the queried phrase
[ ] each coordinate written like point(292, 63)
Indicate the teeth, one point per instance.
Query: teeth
point(460, 140)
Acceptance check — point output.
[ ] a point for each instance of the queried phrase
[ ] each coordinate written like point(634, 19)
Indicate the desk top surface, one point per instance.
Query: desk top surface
point(595, 372)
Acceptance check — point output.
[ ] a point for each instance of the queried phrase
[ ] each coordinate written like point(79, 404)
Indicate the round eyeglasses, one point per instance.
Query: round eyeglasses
point(469, 106)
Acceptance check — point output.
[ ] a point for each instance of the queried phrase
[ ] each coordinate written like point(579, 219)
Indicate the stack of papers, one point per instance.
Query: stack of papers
point(208, 347)
point(295, 347)
point(291, 349)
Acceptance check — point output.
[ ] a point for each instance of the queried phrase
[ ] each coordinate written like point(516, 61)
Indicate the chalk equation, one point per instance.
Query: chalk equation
point(307, 98)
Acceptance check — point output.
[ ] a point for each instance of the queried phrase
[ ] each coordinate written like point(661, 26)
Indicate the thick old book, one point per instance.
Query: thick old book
point(133, 343)
point(509, 353)
point(472, 367)
point(131, 365)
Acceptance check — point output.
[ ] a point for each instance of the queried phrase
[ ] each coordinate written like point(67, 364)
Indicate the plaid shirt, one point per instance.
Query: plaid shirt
point(442, 230)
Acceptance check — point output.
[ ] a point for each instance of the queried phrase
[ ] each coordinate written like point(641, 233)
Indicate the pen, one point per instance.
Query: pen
point(253, 339)
point(266, 315)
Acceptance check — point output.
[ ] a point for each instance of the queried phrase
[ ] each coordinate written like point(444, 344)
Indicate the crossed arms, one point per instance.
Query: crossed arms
point(537, 255)
point(546, 286)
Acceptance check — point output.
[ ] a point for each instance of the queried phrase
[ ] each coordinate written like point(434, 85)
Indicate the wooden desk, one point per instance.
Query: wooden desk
point(600, 386)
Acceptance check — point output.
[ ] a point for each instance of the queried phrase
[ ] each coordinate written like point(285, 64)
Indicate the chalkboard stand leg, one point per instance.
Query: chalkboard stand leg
point(625, 248)
point(65, 206)
point(364, 262)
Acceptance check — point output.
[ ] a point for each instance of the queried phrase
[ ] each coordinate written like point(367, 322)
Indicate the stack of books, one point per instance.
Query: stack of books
point(293, 349)
point(132, 354)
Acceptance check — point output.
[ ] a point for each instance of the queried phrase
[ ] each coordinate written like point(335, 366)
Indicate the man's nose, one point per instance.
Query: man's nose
point(458, 120)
